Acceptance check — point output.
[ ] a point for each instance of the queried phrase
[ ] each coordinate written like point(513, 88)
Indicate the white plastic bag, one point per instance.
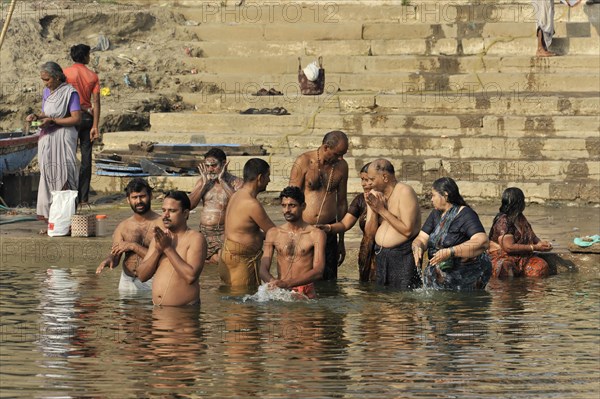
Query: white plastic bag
point(64, 205)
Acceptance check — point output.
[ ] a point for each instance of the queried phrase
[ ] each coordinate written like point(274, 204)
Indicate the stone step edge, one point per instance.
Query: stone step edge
point(547, 191)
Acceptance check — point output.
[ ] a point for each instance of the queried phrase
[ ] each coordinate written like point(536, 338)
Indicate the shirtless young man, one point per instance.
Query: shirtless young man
point(322, 175)
point(133, 235)
point(246, 222)
point(214, 188)
point(176, 256)
point(395, 208)
point(300, 248)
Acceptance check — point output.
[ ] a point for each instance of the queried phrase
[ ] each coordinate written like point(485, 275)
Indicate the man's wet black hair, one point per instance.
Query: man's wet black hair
point(137, 185)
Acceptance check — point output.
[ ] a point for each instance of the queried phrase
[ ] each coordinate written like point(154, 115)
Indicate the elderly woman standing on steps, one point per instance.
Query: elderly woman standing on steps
point(455, 241)
point(57, 147)
point(513, 242)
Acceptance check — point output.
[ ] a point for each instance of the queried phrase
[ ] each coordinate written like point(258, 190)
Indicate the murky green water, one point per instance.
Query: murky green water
point(68, 333)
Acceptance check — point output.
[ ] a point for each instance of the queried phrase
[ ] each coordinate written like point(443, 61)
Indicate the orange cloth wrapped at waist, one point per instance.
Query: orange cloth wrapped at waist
point(308, 290)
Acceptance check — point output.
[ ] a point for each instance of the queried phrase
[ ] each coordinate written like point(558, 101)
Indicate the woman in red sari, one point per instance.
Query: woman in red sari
point(513, 243)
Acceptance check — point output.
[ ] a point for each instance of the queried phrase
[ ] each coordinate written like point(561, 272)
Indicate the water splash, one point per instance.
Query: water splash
point(266, 293)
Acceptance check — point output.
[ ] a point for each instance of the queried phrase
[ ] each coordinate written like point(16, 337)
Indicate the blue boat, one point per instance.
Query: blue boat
point(16, 151)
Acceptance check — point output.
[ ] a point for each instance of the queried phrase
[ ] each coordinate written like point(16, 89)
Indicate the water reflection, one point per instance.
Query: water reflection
point(355, 340)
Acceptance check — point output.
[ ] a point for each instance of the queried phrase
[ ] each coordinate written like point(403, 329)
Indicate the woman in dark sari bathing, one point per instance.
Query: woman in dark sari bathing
point(455, 242)
point(513, 242)
point(357, 211)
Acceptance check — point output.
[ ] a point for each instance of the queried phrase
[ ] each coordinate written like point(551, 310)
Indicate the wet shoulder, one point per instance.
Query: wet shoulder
point(315, 232)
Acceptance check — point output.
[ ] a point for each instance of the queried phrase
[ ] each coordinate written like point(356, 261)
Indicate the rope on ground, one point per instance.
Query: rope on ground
point(18, 220)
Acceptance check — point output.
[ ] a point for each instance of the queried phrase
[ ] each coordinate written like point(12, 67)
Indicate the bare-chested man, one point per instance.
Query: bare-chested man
point(300, 248)
point(245, 225)
point(133, 235)
point(176, 256)
point(323, 177)
point(395, 208)
point(214, 188)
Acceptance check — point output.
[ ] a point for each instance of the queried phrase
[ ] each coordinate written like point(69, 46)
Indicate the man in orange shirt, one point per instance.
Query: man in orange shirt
point(87, 85)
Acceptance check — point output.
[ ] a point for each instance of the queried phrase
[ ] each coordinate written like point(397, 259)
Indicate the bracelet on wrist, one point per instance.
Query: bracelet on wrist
point(532, 250)
point(452, 252)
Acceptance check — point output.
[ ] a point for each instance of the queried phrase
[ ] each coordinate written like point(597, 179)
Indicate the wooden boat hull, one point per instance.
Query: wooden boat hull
point(16, 152)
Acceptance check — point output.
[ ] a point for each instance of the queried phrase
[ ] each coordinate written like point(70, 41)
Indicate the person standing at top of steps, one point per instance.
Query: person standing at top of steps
point(322, 174)
point(214, 188)
point(544, 13)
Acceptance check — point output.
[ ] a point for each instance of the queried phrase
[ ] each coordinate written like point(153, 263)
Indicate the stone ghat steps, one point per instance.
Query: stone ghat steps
point(359, 30)
point(489, 190)
point(457, 147)
point(378, 47)
point(409, 164)
point(511, 103)
point(441, 12)
point(393, 64)
point(404, 81)
point(428, 126)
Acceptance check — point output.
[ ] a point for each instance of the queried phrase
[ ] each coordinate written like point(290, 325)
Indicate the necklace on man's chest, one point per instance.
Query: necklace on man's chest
point(321, 180)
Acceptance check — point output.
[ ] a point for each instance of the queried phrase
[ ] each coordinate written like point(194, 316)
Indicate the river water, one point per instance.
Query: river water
point(68, 333)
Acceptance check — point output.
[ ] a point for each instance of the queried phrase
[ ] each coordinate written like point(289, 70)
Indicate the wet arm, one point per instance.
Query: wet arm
point(190, 268)
point(148, 267)
point(507, 243)
point(228, 188)
point(113, 260)
point(409, 214)
point(298, 173)
point(138, 249)
point(372, 222)
point(198, 192)
point(265, 262)
point(420, 241)
point(342, 199)
point(345, 224)
point(477, 244)
point(419, 245)
point(260, 217)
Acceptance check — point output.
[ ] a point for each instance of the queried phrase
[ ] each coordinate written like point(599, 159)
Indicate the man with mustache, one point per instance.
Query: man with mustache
point(214, 188)
point(175, 257)
point(133, 235)
point(300, 248)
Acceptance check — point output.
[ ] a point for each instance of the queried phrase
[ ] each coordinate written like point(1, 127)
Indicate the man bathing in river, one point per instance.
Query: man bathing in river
point(133, 235)
point(214, 188)
point(394, 217)
point(322, 175)
point(176, 256)
point(246, 222)
point(300, 248)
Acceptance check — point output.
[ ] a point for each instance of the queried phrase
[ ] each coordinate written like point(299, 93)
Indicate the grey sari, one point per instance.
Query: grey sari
point(57, 150)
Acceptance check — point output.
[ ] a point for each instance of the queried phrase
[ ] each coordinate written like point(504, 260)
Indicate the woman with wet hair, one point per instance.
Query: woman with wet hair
point(455, 241)
point(512, 241)
point(57, 147)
